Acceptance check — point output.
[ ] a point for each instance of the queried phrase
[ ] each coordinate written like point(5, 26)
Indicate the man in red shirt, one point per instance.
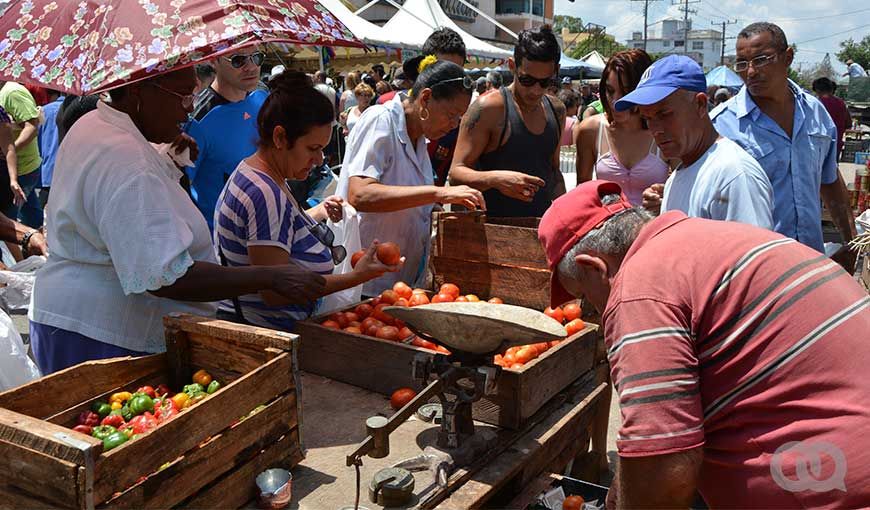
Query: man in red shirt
point(824, 89)
point(739, 355)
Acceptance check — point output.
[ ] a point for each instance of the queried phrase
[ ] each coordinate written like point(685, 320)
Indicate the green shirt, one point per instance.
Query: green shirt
point(19, 104)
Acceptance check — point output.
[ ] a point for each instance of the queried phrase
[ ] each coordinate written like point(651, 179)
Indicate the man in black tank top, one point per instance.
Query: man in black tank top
point(508, 143)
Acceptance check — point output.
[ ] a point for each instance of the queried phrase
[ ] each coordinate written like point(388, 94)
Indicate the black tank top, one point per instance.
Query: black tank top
point(523, 152)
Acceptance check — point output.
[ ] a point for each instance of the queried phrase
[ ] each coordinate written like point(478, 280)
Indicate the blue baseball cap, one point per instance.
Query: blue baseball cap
point(663, 78)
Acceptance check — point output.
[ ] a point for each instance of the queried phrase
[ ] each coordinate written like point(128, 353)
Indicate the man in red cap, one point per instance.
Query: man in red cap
point(739, 355)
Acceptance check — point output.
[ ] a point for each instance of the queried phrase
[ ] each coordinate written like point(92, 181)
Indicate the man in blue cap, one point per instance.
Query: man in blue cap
point(716, 179)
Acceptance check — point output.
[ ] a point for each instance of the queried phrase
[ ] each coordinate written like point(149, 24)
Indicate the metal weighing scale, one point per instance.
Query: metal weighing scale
point(474, 333)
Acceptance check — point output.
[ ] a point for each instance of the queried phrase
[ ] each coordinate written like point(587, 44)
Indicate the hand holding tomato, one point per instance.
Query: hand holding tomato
point(465, 196)
point(369, 267)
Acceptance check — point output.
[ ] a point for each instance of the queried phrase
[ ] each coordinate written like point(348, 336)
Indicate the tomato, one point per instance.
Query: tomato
point(389, 254)
point(401, 397)
point(402, 302)
point(516, 366)
point(388, 333)
point(403, 290)
point(389, 296)
point(418, 298)
point(363, 310)
point(553, 343)
point(495, 301)
point(381, 315)
point(573, 503)
point(370, 323)
point(449, 288)
point(575, 326)
point(353, 329)
point(572, 311)
point(399, 324)
point(330, 324)
point(418, 291)
point(472, 298)
point(375, 302)
point(461, 299)
point(443, 298)
point(351, 317)
point(555, 313)
point(353, 324)
point(509, 359)
point(340, 318)
point(542, 347)
point(426, 344)
point(405, 333)
point(498, 359)
point(355, 257)
point(526, 354)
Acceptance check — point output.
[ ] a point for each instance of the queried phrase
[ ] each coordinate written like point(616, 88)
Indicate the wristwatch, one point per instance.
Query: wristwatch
point(25, 241)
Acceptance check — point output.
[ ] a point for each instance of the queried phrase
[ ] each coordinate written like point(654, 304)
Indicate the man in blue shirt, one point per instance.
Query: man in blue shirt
point(789, 132)
point(224, 125)
point(49, 141)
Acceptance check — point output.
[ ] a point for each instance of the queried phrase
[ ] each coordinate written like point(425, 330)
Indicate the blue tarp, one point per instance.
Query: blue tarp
point(724, 77)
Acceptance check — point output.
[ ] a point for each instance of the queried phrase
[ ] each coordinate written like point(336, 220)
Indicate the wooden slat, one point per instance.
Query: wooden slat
point(467, 237)
point(515, 285)
point(39, 475)
point(251, 335)
point(174, 438)
point(238, 488)
point(46, 396)
point(210, 353)
point(48, 438)
point(221, 454)
point(12, 498)
point(68, 416)
point(177, 356)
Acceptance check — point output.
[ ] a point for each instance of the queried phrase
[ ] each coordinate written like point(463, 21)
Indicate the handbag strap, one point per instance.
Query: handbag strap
point(240, 317)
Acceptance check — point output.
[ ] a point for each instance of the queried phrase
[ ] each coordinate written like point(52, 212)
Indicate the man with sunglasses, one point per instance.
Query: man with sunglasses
point(508, 143)
point(792, 136)
point(224, 125)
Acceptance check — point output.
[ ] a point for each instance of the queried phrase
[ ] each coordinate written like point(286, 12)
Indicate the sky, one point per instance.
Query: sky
point(817, 26)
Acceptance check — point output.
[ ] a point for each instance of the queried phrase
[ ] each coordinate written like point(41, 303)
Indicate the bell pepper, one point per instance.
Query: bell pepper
point(114, 440)
point(148, 390)
point(103, 431)
point(180, 399)
point(165, 410)
point(142, 423)
point(88, 418)
point(199, 397)
point(115, 420)
point(140, 403)
point(193, 389)
point(121, 396)
point(115, 405)
point(162, 390)
point(202, 378)
point(101, 408)
point(84, 429)
point(124, 412)
point(213, 387)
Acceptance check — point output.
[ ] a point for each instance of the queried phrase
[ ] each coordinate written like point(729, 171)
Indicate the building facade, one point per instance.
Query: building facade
point(704, 46)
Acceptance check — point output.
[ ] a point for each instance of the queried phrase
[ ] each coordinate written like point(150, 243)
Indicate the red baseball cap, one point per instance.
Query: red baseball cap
point(570, 218)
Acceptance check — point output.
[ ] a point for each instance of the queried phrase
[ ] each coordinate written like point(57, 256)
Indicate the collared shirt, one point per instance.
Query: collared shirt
point(797, 166)
point(750, 343)
point(856, 71)
point(120, 226)
point(48, 139)
point(379, 147)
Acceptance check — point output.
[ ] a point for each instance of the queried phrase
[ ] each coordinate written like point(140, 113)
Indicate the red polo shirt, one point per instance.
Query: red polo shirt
point(741, 341)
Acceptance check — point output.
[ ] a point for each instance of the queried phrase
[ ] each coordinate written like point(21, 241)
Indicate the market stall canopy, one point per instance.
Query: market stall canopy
point(93, 46)
point(724, 77)
point(595, 58)
point(418, 18)
point(577, 68)
point(364, 30)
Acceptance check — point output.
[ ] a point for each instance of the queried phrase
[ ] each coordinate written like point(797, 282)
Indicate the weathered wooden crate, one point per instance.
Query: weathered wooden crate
point(206, 457)
point(492, 257)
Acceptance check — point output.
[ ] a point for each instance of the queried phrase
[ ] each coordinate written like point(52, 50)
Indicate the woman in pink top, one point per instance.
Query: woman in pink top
point(616, 146)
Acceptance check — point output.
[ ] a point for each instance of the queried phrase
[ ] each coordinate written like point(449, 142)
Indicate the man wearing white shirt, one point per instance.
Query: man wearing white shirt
point(717, 179)
point(855, 70)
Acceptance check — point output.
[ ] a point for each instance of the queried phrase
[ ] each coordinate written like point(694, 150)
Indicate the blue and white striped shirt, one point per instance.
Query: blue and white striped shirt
point(253, 211)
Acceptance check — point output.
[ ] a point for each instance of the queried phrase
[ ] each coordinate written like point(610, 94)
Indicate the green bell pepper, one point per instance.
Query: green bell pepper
point(114, 440)
point(213, 387)
point(103, 431)
point(194, 389)
point(123, 412)
point(141, 403)
point(101, 408)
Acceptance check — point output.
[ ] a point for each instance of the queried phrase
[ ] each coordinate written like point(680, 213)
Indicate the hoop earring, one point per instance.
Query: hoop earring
point(427, 115)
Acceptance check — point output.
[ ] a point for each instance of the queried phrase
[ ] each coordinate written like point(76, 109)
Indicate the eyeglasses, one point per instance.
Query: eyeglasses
point(467, 82)
point(528, 81)
point(186, 99)
point(239, 61)
point(757, 62)
point(327, 237)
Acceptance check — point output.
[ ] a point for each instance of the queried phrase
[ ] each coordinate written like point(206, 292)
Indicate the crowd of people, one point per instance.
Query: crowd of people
point(695, 228)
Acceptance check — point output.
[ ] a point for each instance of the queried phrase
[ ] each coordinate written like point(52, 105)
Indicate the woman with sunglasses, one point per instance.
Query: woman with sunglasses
point(259, 223)
point(127, 245)
point(387, 175)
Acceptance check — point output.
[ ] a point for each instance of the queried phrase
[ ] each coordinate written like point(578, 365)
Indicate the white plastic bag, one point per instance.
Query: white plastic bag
point(346, 234)
point(18, 283)
point(16, 368)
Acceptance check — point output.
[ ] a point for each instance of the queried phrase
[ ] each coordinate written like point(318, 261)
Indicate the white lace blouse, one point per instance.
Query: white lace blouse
point(119, 225)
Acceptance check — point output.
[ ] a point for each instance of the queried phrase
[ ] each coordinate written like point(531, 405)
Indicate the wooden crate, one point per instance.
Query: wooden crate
point(203, 458)
point(492, 257)
point(383, 366)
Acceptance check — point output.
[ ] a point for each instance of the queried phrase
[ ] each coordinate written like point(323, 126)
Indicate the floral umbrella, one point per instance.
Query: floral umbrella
point(90, 46)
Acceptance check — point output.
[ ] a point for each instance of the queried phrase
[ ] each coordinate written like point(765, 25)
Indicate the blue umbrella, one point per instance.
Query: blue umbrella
point(724, 77)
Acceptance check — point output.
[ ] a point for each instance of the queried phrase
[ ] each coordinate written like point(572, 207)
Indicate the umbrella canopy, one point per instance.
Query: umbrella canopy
point(91, 46)
point(724, 77)
point(577, 68)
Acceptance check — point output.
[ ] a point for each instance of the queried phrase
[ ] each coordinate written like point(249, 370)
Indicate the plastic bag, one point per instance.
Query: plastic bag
point(18, 281)
point(16, 368)
point(346, 234)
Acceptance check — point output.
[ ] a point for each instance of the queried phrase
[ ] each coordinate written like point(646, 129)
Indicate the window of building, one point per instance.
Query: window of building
point(638, 46)
point(666, 43)
point(697, 45)
point(679, 44)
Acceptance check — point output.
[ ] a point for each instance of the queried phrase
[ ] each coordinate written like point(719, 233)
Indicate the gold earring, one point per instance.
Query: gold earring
point(427, 114)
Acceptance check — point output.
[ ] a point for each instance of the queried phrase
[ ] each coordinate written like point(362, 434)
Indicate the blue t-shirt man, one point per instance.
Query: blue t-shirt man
point(49, 139)
point(226, 133)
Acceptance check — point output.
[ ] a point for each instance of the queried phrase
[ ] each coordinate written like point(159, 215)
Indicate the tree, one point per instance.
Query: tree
point(857, 51)
point(600, 42)
point(574, 25)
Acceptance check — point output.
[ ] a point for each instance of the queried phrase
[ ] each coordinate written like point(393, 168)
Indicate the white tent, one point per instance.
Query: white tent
point(595, 58)
point(418, 18)
point(364, 30)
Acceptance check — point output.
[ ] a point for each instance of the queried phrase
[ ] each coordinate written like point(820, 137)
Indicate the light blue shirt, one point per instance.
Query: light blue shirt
point(856, 71)
point(797, 166)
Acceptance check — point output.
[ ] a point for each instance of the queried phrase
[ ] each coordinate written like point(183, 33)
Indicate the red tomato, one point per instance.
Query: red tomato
point(516, 366)
point(575, 326)
point(526, 354)
point(495, 301)
point(509, 359)
point(389, 254)
point(418, 298)
point(340, 318)
point(363, 310)
point(375, 302)
point(370, 323)
point(381, 315)
point(388, 333)
point(405, 333)
point(402, 289)
point(353, 329)
point(351, 317)
point(402, 302)
point(461, 299)
point(542, 347)
point(572, 311)
point(449, 288)
point(443, 298)
point(472, 298)
point(353, 324)
point(555, 313)
point(401, 397)
point(355, 257)
point(330, 324)
point(389, 296)
point(573, 503)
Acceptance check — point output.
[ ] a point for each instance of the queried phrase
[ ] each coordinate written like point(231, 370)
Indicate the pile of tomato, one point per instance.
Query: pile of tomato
point(516, 357)
point(126, 416)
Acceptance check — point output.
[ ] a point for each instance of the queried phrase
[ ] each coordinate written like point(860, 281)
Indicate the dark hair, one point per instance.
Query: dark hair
point(569, 98)
point(71, 110)
point(824, 85)
point(780, 42)
point(295, 105)
point(434, 76)
point(537, 45)
point(446, 42)
point(204, 71)
point(629, 66)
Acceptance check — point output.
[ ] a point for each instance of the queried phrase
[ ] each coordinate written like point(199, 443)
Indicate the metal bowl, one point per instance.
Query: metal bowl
point(275, 486)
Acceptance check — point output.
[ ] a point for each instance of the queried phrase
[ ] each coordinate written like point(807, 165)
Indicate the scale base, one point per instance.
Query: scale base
point(441, 462)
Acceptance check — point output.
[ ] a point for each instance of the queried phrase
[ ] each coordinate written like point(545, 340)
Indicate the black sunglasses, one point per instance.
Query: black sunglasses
point(327, 237)
point(239, 61)
point(467, 82)
point(528, 81)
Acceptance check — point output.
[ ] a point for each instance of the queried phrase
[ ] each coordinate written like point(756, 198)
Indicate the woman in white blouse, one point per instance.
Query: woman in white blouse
point(387, 175)
point(127, 244)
